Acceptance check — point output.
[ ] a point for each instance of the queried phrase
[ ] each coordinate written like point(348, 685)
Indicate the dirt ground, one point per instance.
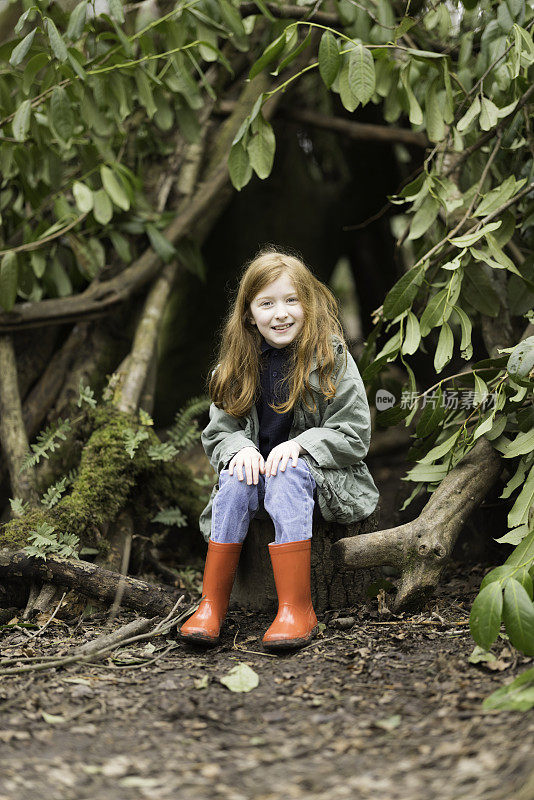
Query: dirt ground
point(377, 706)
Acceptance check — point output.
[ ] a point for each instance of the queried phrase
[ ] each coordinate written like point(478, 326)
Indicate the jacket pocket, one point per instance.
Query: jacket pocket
point(347, 493)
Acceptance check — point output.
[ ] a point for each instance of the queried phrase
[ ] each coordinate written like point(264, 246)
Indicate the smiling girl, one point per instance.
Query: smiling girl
point(285, 392)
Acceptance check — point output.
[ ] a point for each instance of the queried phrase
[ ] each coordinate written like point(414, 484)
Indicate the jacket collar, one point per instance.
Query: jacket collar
point(336, 341)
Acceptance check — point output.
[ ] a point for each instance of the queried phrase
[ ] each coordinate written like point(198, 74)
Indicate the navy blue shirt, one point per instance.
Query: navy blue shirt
point(274, 428)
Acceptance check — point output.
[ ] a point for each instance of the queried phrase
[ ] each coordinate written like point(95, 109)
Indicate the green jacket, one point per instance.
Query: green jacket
point(335, 437)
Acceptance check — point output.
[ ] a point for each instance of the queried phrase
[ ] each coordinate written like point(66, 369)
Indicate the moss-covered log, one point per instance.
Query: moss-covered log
point(108, 479)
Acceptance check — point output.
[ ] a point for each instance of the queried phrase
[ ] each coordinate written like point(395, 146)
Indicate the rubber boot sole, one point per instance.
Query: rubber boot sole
point(284, 645)
point(199, 638)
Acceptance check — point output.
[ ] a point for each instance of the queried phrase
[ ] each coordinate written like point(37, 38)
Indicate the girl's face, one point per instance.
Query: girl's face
point(276, 307)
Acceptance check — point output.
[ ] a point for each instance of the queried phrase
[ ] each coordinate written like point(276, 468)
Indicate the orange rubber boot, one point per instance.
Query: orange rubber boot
point(296, 623)
point(204, 625)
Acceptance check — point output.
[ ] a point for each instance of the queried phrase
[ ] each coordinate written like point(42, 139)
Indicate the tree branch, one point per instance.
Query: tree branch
point(420, 549)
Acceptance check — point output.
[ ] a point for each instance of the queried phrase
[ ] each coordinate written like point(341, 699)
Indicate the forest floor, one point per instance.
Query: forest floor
point(380, 706)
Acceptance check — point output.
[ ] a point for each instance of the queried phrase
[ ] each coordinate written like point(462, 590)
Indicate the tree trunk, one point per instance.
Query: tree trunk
point(254, 587)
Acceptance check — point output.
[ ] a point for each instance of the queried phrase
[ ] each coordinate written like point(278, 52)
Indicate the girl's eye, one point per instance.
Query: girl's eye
point(290, 299)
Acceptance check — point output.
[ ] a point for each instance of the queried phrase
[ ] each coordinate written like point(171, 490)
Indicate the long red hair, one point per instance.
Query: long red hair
point(235, 383)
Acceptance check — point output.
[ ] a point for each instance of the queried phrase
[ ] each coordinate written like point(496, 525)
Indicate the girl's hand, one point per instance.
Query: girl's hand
point(282, 453)
point(252, 460)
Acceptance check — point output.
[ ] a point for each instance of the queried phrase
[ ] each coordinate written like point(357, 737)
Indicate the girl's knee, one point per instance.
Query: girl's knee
point(233, 484)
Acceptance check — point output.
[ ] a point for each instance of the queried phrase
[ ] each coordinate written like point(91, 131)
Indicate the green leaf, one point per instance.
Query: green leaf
point(329, 58)
point(160, 243)
point(424, 217)
point(442, 449)
point(20, 51)
point(435, 126)
point(481, 389)
point(479, 655)
point(144, 90)
point(431, 416)
point(261, 147)
point(34, 65)
point(470, 238)
point(523, 553)
point(401, 296)
point(9, 278)
point(523, 443)
point(515, 696)
point(500, 259)
point(412, 336)
point(269, 54)
point(415, 114)
point(361, 73)
point(518, 514)
point(83, 196)
point(436, 312)
point(518, 616)
point(57, 44)
point(115, 10)
point(113, 185)
point(485, 616)
point(294, 53)
point(484, 426)
point(467, 327)
point(472, 112)
point(102, 207)
point(479, 292)
point(488, 114)
point(427, 473)
point(241, 678)
point(264, 10)
point(444, 349)
point(21, 121)
point(497, 196)
point(61, 113)
point(38, 262)
point(239, 166)
point(346, 95)
point(521, 360)
point(76, 21)
point(501, 574)
point(26, 17)
point(233, 20)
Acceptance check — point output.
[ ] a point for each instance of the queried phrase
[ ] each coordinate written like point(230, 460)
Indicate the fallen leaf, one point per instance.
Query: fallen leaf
point(241, 678)
point(388, 723)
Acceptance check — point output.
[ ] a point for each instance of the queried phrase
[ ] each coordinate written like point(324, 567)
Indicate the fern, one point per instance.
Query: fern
point(19, 506)
point(47, 542)
point(162, 452)
point(133, 439)
point(54, 492)
point(145, 418)
point(171, 516)
point(86, 395)
point(206, 481)
point(184, 432)
point(46, 442)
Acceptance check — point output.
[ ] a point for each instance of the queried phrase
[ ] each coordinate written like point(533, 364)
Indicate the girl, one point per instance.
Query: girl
point(289, 427)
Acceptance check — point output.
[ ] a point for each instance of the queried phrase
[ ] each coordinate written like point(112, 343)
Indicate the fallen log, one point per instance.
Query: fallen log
point(89, 579)
point(420, 549)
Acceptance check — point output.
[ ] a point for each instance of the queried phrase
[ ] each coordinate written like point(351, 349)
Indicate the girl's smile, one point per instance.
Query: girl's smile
point(277, 312)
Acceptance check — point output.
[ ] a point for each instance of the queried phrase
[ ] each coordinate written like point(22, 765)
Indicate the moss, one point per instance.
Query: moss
point(171, 484)
point(106, 477)
point(106, 480)
point(15, 533)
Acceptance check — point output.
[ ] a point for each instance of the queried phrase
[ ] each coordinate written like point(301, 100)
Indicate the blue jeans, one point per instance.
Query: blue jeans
point(288, 498)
